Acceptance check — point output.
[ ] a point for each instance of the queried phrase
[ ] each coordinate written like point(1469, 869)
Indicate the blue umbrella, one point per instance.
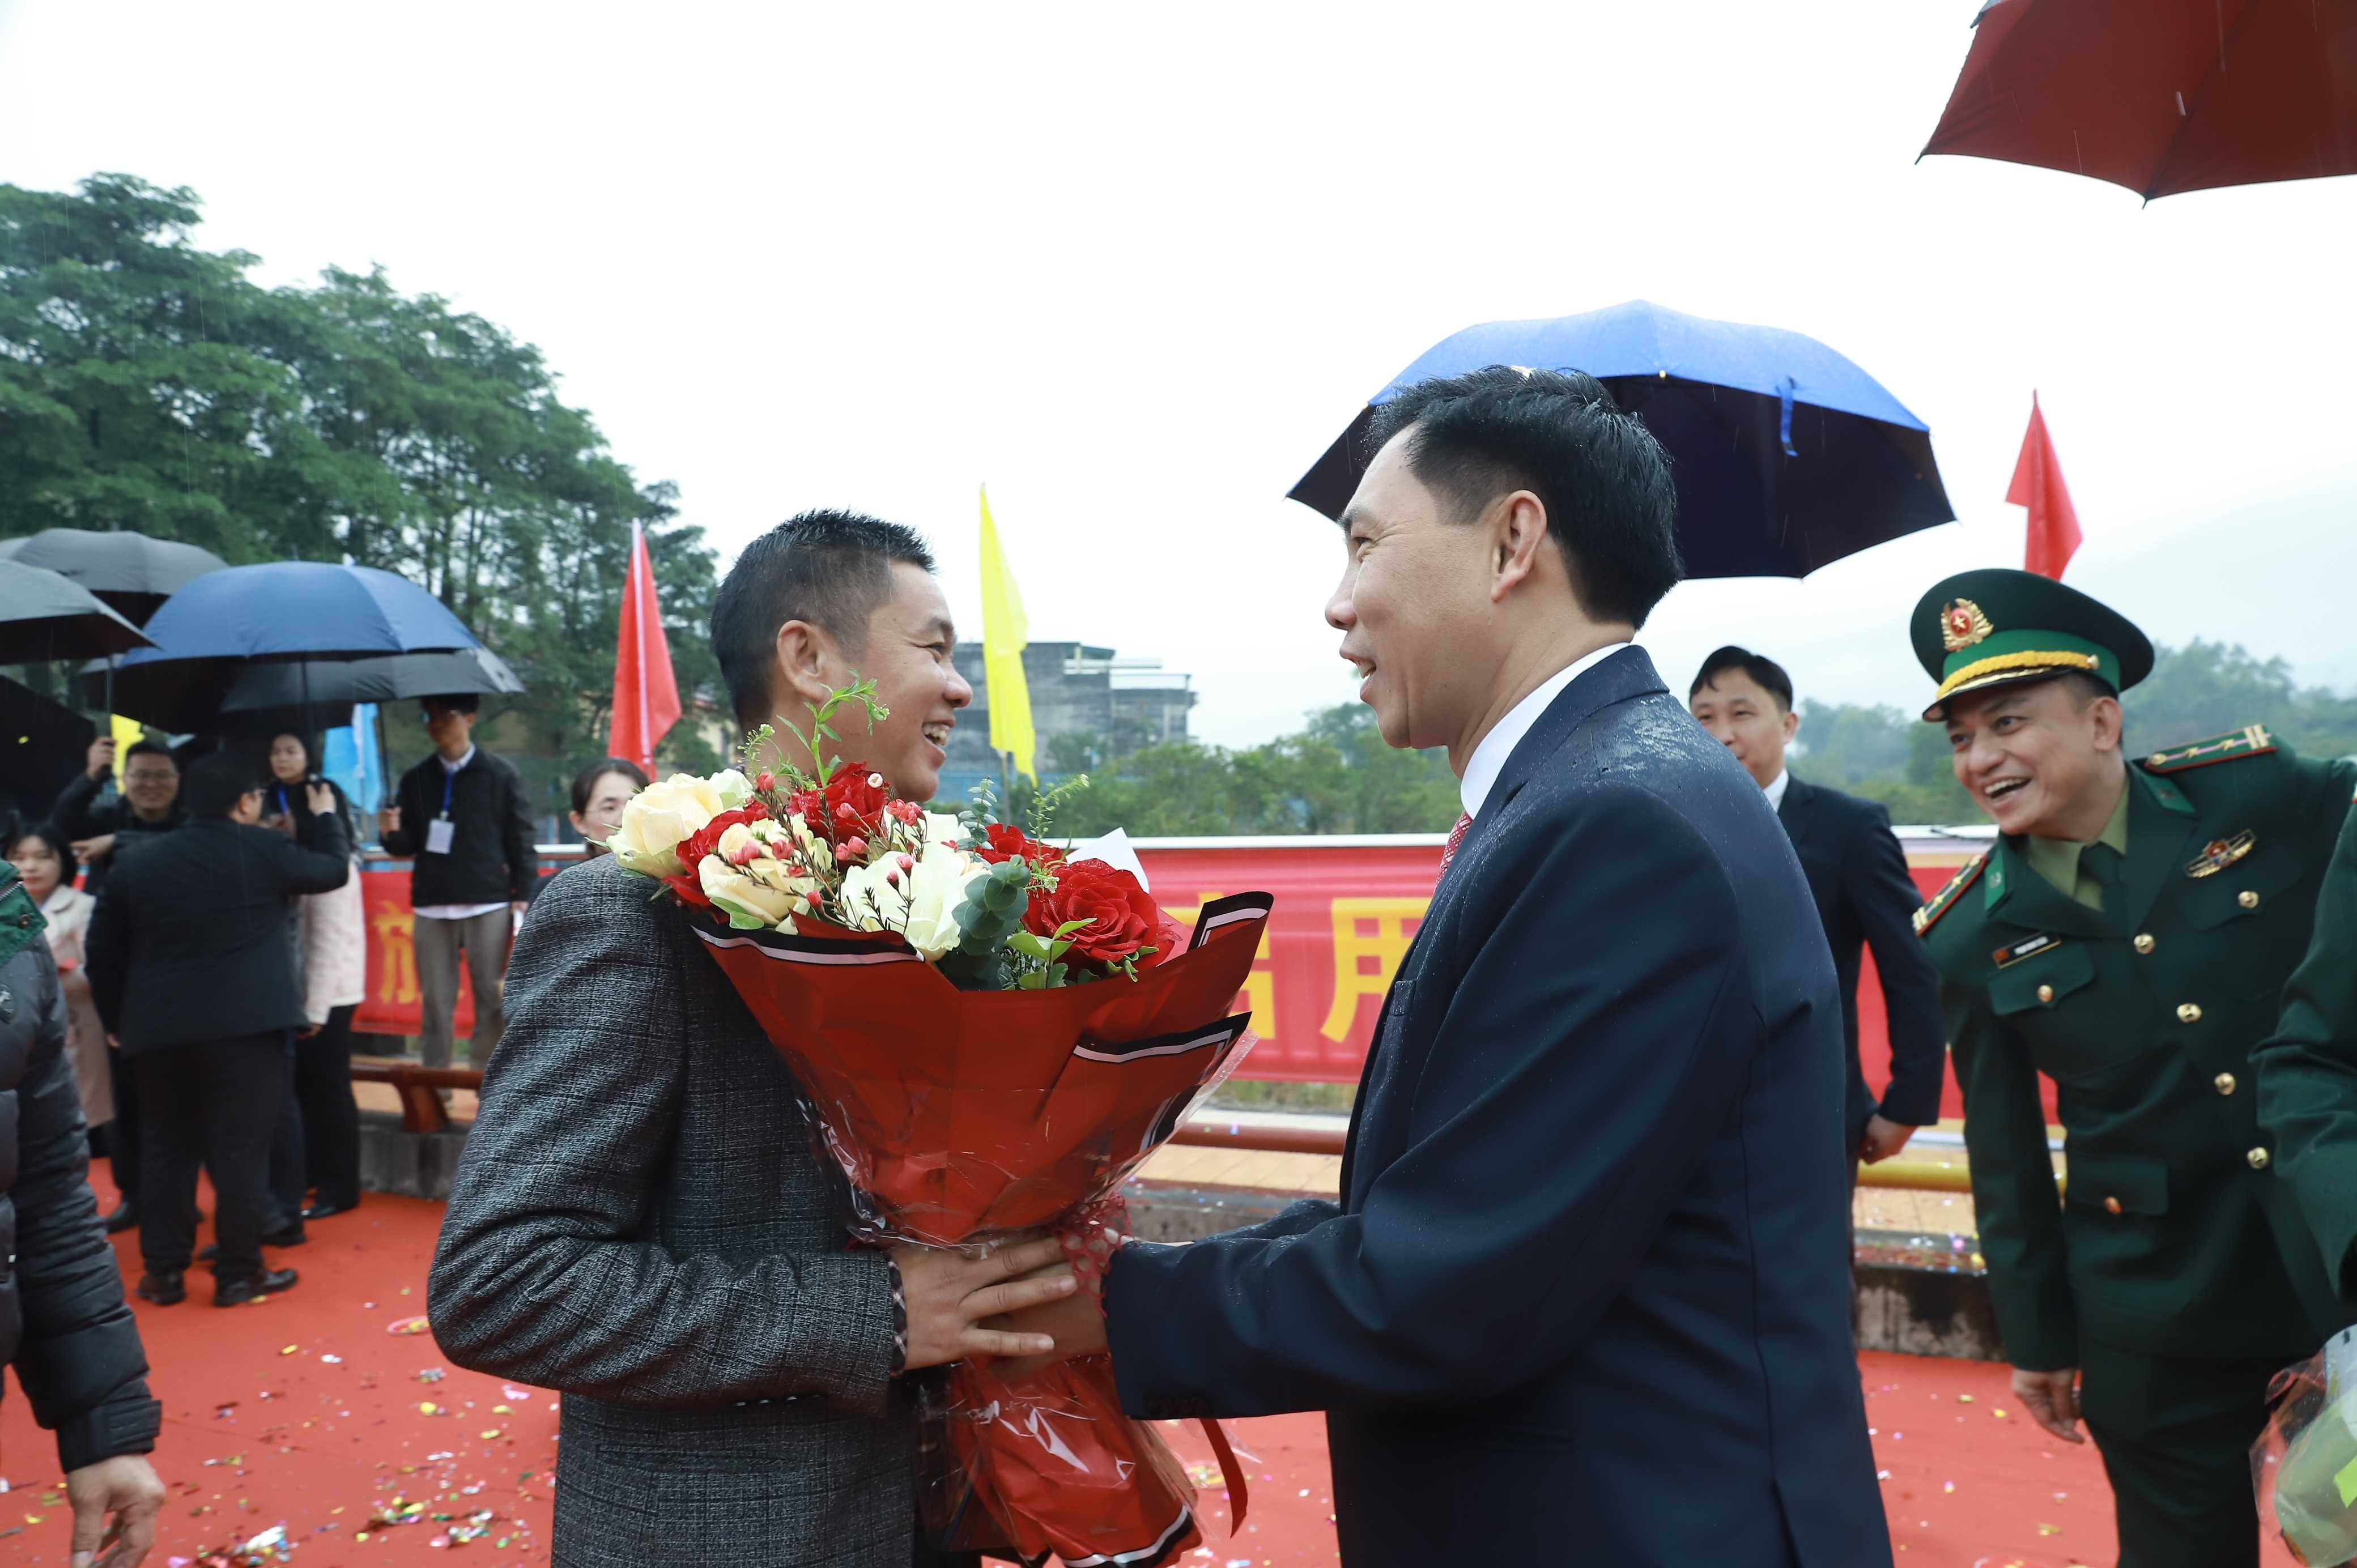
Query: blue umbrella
point(1785, 455)
point(287, 610)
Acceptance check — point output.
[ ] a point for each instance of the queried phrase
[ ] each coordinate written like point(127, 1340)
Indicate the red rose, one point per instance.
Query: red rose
point(706, 839)
point(690, 891)
point(1005, 843)
point(1121, 917)
point(853, 802)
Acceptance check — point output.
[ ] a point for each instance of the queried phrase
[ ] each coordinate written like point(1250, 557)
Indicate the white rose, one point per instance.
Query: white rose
point(732, 788)
point(659, 819)
point(920, 903)
point(745, 898)
point(941, 827)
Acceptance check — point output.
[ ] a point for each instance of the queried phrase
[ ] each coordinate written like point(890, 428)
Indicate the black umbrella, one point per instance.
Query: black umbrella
point(42, 745)
point(44, 617)
point(130, 571)
point(184, 696)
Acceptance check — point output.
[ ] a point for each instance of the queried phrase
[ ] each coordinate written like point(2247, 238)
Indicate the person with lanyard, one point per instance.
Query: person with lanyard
point(2129, 937)
point(461, 816)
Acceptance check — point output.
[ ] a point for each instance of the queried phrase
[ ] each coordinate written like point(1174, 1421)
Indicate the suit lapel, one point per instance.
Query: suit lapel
point(2162, 831)
point(2021, 895)
point(1628, 673)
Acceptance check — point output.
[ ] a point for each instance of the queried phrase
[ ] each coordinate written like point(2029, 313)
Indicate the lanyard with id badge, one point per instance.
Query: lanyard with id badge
point(438, 832)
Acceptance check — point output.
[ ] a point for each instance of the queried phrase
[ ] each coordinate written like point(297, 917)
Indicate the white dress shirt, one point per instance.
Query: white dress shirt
point(1776, 788)
point(1489, 758)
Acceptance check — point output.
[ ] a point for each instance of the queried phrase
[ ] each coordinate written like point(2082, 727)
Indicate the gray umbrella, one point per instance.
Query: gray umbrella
point(130, 571)
point(44, 617)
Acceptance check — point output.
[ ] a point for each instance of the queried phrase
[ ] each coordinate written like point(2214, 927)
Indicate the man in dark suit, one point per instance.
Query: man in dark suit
point(1865, 897)
point(191, 970)
point(639, 1221)
point(1584, 1299)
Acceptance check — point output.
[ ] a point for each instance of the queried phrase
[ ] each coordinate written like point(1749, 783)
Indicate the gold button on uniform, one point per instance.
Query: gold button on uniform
point(2247, 899)
point(2190, 1012)
point(2046, 994)
point(2144, 942)
point(2258, 1158)
point(2225, 1083)
point(2111, 1205)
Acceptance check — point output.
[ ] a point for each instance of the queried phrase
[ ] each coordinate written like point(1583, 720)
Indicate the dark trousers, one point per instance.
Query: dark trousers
point(286, 1183)
point(123, 1132)
point(213, 1103)
point(2175, 1434)
point(332, 1117)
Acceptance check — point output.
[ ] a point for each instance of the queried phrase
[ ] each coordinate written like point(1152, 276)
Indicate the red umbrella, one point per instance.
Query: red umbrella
point(2161, 96)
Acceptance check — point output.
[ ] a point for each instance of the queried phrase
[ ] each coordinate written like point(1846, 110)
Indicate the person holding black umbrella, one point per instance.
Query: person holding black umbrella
point(99, 827)
point(462, 817)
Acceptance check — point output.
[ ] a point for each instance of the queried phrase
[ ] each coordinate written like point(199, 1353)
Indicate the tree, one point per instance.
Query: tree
point(147, 384)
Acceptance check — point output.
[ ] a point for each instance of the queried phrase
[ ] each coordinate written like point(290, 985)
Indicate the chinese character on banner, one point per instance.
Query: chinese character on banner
point(1385, 945)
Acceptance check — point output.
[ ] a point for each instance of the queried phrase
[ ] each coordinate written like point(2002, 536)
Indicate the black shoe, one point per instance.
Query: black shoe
point(288, 1236)
point(164, 1287)
point(251, 1287)
point(328, 1210)
point(125, 1217)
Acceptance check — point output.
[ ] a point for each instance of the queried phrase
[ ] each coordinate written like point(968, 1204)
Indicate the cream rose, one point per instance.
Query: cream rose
point(920, 903)
point(662, 817)
point(756, 893)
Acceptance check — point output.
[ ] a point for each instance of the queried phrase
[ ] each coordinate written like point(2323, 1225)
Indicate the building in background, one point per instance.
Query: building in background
point(1089, 706)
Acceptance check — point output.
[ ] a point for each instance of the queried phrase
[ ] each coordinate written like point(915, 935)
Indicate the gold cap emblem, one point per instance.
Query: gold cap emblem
point(1963, 625)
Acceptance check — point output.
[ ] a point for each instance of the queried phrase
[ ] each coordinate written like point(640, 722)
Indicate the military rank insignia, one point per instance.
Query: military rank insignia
point(1942, 901)
point(2220, 853)
point(2028, 947)
point(2251, 740)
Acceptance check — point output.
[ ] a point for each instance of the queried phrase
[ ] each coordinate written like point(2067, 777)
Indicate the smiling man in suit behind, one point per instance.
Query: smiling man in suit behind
point(1584, 1298)
point(1857, 874)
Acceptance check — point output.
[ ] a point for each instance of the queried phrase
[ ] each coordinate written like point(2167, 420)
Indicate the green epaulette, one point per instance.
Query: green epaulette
point(1929, 915)
point(2251, 740)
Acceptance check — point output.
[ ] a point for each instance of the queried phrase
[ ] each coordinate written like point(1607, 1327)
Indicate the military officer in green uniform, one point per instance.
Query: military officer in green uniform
point(2307, 1075)
point(2129, 936)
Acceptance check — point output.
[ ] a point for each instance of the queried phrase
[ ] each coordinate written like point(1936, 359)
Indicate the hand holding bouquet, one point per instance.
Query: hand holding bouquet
point(991, 1034)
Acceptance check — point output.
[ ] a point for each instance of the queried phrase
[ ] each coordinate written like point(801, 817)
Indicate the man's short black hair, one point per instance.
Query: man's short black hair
point(829, 568)
point(1764, 672)
point(456, 702)
point(1603, 478)
point(148, 748)
point(217, 782)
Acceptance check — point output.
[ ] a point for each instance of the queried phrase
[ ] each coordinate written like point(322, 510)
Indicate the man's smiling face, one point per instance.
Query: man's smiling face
point(2030, 753)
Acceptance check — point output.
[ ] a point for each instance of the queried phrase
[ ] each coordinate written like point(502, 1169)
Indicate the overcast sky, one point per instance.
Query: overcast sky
point(1135, 269)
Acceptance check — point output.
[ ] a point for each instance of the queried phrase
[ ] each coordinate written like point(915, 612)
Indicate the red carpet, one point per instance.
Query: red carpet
point(310, 1414)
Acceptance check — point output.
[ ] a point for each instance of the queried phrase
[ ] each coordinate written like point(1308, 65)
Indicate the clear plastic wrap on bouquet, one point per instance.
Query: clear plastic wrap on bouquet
point(958, 1117)
point(2305, 1464)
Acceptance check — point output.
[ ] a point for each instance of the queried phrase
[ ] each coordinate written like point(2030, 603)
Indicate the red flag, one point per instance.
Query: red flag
point(2038, 485)
point(646, 698)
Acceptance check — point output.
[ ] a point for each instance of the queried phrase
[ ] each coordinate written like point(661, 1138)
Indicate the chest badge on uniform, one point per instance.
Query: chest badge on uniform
point(2028, 947)
point(2220, 853)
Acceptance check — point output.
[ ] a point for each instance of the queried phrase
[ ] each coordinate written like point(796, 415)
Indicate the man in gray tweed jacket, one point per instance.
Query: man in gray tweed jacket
point(639, 1221)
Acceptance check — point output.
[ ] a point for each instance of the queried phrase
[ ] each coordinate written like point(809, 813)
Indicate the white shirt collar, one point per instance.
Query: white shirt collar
point(1489, 758)
point(450, 767)
point(1776, 788)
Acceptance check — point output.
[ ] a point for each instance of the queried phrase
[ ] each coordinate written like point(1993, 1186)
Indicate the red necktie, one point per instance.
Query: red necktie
point(1455, 839)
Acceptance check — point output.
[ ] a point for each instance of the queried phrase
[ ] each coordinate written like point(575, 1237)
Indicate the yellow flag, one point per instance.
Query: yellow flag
point(1005, 634)
point(127, 733)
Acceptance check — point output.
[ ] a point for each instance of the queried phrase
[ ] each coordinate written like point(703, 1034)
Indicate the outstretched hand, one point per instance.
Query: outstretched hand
point(948, 1295)
point(115, 1506)
point(1075, 1322)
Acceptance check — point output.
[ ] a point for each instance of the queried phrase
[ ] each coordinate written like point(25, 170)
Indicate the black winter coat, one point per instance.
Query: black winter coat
point(63, 1324)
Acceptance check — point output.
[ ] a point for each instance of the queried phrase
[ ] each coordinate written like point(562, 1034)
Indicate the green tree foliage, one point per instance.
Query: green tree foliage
point(148, 385)
point(1335, 776)
point(2201, 690)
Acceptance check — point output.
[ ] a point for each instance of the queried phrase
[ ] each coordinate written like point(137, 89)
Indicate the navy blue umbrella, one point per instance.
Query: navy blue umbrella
point(1786, 455)
point(284, 611)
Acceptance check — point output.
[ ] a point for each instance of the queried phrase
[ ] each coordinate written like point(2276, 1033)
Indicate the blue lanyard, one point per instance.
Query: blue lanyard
point(449, 776)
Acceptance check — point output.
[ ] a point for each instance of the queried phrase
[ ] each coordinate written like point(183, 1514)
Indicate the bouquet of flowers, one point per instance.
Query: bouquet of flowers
point(2305, 1463)
point(991, 1033)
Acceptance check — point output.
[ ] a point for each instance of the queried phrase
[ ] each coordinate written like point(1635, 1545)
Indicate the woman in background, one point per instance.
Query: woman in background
point(40, 854)
point(331, 948)
point(599, 793)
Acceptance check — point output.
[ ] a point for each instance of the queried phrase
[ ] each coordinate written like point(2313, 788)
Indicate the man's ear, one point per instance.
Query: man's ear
point(1791, 725)
point(1517, 526)
point(2110, 724)
point(808, 665)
